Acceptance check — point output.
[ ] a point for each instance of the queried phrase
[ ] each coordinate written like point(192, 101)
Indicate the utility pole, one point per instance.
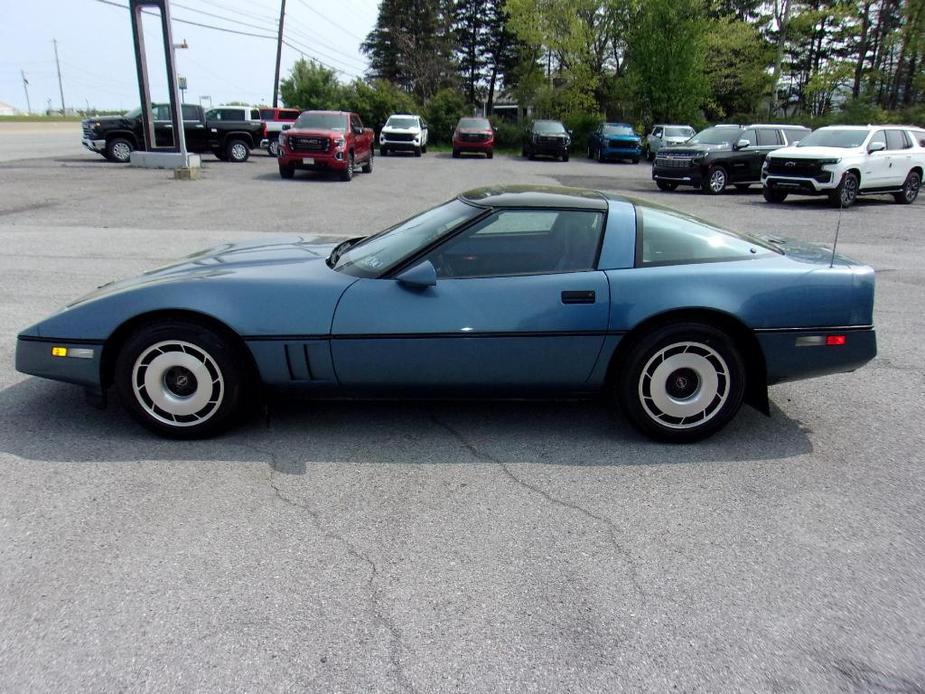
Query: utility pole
point(25, 85)
point(279, 52)
point(60, 88)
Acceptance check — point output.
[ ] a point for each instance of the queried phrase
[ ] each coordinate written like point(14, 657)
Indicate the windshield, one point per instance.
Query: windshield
point(401, 122)
point(618, 130)
point(134, 113)
point(548, 126)
point(375, 255)
point(480, 123)
point(678, 132)
point(321, 121)
point(834, 138)
point(716, 136)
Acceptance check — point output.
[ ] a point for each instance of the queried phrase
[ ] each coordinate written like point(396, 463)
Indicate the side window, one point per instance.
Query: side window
point(751, 136)
point(769, 137)
point(215, 114)
point(255, 114)
point(670, 239)
point(289, 115)
point(190, 112)
point(794, 136)
point(878, 136)
point(161, 112)
point(266, 114)
point(896, 139)
point(355, 121)
point(523, 242)
point(657, 132)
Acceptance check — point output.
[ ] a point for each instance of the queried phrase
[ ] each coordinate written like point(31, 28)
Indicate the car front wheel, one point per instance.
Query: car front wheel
point(347, 174)
point(847, 191)
point(715, 181)
point(667, 186)
point(273, 149)
point(181, 379)
point(772, 195)
point(682, 382)
point(119, 150)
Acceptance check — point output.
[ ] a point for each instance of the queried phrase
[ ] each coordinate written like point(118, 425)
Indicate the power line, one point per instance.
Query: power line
point(197, 24)
point(218, 16)
point(311, 39)
point(329, 21)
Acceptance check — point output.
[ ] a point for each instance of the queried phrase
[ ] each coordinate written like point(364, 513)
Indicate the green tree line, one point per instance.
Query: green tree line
point(644, 61)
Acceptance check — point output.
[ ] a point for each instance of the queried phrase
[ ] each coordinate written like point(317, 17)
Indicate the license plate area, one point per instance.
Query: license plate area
point(308, 160)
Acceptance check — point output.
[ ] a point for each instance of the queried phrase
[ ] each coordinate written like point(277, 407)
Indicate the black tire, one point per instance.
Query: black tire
point(347, 174)
point(773, 195)
point(600, 157)
point(286, 171)
point(119, 150)
point(910, 190)
point(689, 399)
point(237, 151)
point(667, 186)
point(424, 149)
point(531, 156)
point(455, 154)
point(715, 181)
point(193, 364)
point(220, 155)
point(273, 148)
point(846, 193)
point(590, 153)
point(384, 151)
point(490, 154)
point(565, 156)
point(650, 155)
point(417, 151)
point(635, 160)
point(368, 166)
point(742, 187)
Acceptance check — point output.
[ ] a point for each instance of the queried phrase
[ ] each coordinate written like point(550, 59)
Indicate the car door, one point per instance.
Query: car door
point(741, 159)
point(163, 126)
point(876, 170)
point(769, 139)
point(362, 141)
point(517, 302)
point(655, 139)
point(899, 146)
point(197, 134)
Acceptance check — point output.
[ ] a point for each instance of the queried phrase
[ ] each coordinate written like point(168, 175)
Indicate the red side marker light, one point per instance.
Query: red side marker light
point(834, 340)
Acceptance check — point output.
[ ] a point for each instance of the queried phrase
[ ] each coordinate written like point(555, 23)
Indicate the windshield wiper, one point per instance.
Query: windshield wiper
point(340, 248)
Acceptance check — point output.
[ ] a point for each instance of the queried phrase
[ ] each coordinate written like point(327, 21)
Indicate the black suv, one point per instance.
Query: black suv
point(722, 155)
point(546, 137)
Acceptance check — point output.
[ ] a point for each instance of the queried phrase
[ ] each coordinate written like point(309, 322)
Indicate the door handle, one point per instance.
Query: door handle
point(578, 297)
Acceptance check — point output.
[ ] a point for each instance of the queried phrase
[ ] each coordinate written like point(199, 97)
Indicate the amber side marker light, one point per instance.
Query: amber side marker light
point(59, 351)
point(72, 352)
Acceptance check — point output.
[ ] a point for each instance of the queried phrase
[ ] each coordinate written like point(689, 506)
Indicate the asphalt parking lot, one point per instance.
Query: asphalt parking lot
point(446, 546)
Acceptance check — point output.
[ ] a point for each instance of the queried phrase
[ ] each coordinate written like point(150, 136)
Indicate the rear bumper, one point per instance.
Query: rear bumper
point(81, 366)
point(788, 358)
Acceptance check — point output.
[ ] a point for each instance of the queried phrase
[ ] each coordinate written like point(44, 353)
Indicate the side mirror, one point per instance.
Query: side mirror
point(287, 126)
point(742, 144)
point(419, 276)
point(876, 147)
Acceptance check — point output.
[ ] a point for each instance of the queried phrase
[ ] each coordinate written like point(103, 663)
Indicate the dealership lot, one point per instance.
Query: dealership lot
point(429, 546)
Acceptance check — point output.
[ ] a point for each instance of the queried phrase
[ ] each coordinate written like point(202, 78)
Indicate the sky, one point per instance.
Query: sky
point(98, 64)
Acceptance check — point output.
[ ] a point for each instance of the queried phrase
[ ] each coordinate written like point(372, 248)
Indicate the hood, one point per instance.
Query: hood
point(315, 132)
point(623, 138)
point(675, 139)
point(814, 152)
point(469, 131)
point(260, 257)
point(691, 149)
point(413, 130)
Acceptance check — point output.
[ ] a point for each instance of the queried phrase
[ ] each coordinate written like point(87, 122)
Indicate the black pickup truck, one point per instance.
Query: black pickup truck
point(116, 136)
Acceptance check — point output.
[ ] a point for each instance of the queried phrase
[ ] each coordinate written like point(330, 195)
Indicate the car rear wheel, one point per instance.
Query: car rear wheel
point(772, 195)
point(667, 186)
point(119, 150)
point(368, 166)
point(715, 181)
point(847, 191)
point(910, 189)
point(181, 379)
point(237, 151)
point(682, 382)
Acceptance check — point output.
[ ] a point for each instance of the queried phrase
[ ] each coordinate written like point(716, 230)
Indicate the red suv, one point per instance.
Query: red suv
point(474, 135)
point(326, 141)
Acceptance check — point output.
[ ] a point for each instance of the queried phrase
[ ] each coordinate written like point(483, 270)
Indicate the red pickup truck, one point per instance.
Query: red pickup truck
point(326, 141)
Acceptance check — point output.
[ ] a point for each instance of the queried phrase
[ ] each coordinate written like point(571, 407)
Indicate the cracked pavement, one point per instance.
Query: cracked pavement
point(446, 546)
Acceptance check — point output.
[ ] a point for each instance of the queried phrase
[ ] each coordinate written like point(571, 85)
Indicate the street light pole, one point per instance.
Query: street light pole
point(279, 52)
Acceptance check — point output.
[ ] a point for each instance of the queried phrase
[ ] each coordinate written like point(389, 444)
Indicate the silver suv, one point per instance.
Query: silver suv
point(663, 134)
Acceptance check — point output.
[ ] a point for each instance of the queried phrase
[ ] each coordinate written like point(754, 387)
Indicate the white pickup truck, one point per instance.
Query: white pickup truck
point(403, 132)
point(844, 161)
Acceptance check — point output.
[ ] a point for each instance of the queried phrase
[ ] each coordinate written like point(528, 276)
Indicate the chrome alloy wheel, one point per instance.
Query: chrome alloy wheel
point(684, 385)
point(849, 190)
point(122, 151)
point(178, 383)
point(238, 151)
point(911, 189)
point(717, 180)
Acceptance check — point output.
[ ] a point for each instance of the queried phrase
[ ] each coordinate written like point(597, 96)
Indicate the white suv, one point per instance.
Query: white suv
point(403, 132)
point(844, 161)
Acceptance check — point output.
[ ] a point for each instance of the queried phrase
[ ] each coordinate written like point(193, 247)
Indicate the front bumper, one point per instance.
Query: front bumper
point(406, 145)
point(803, 186)
point(81, 366)
point(467, 146)
point(689, 174)
point(320, 161)
point(629, 151)
point(97, 146)
point(789, 360)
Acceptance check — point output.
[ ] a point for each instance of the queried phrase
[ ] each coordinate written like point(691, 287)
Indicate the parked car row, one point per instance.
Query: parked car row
point(840, 162)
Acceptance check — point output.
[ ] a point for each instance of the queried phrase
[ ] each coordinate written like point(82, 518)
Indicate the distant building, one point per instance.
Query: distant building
point(7, 110)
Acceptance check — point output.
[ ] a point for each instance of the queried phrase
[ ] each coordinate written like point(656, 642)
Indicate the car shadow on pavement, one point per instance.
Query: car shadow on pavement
point(45, 421)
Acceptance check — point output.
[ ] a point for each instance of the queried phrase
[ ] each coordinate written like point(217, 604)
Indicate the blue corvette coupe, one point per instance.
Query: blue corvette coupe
point(507, 291)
